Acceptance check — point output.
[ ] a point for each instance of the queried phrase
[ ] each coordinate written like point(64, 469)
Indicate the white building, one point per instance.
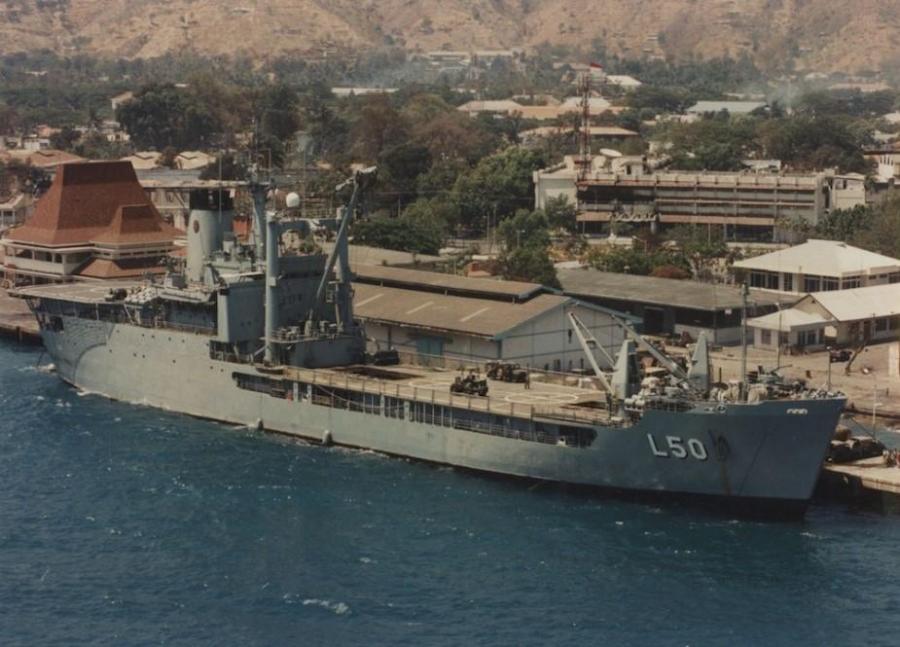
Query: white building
point(731, 107)
point(840, 318)
point(15, 209)
point(819, 266)
point(623, 81)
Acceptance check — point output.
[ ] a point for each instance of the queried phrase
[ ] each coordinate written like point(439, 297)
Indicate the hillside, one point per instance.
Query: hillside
point(823, 35)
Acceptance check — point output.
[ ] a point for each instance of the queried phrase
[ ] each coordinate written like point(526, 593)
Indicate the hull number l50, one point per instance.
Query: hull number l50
point(677, 447)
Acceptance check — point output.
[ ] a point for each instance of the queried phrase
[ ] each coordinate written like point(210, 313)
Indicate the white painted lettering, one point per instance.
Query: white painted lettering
point(653, 447)
point(698, 449)
point(676, 446)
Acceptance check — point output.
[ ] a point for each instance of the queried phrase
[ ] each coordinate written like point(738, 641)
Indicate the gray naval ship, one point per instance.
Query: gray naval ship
point(253, 335)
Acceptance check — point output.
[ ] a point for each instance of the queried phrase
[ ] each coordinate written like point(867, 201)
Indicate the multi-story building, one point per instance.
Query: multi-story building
point(95, 222)
point(748, 206)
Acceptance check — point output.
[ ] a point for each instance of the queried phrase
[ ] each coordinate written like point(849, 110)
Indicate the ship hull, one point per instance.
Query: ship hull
point(764, 456)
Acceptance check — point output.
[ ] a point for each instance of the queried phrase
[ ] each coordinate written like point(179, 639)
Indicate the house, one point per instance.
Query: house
point(94, 222)
point(671, 306)
point(119, 99)
point(612, 134)
point(14, 210)
point(344, 92)
point(192, 160)
point(846, 317)
point(623, 81)
point(818, 266)
point(44, 159)
point(595, 104)
point(731, 107)
point(503, 106)
point(143, 160)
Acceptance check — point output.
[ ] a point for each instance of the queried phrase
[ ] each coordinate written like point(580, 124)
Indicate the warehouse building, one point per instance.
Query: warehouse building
point(670, 306)
point(448, 320)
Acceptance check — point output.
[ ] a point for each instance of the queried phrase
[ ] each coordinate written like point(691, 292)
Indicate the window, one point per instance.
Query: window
point(788, 283)
point(881, 324)
point(829, 284)
point(812, 283)
point(852, 282)
point(765, 337)
point(767, 280)
point(895, 277)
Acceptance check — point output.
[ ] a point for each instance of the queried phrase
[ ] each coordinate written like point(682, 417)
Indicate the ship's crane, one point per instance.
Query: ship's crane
point(589, 344)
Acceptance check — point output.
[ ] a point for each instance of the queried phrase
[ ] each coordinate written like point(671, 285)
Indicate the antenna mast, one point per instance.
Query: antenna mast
point(584, 130)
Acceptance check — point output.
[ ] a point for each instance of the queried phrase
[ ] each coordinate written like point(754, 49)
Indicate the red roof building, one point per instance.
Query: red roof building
point(95, 222)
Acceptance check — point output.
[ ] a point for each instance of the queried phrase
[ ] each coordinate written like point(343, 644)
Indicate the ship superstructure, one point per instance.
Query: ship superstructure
point(248, 334)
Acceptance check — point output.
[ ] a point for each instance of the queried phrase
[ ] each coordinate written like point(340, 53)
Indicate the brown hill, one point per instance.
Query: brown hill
point(824, 35)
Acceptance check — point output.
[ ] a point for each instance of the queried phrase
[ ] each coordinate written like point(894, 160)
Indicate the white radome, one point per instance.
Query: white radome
point(292, 200)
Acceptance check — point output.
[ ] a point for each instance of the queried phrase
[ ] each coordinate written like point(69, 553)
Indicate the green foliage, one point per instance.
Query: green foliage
point(561, 214)
point(406, 234)
point(526, 228)
point(633, 261)
point(497, 187)
point(844, 224)
point(165, 115)
point(882, 235)
point(95, 146)
point(278, 112)
point(65, 139)
point(813, 143)
point(529, 263)
point(526, 239)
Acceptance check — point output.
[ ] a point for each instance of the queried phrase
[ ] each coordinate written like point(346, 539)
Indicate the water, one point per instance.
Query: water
point(123, 525)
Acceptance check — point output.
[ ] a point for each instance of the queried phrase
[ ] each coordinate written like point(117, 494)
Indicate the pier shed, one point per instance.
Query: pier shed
point(449, 330)
point(671, 306)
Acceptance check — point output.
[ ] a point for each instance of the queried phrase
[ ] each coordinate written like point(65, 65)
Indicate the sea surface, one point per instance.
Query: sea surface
point(125, 525)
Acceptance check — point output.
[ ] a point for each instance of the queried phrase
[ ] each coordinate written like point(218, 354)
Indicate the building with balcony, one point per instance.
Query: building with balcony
point(95, 222)
point(748, 206)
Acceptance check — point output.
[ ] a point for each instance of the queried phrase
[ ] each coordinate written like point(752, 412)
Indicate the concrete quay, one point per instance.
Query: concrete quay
point(16, 320)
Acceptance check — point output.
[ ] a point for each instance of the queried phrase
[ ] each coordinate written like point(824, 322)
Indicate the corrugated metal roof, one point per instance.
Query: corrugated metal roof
point(787, 320)
point(861, 303)
point(820, 257)
point(663, 292)
point(480, 317)
point(734, 107)
point(448, 283)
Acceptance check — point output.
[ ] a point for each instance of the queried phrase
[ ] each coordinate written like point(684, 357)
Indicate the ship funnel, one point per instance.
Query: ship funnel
point(211, 217)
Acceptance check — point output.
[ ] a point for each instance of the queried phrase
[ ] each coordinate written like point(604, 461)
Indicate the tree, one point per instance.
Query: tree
point(526, 239)
point(278, 110)
point(529, 263)
point(163, 115)
point(497, 187)
point(882, 235)
point(404, 234)
point(845, 224)
point(561, 214)
point(378, 126)
point(65, 139)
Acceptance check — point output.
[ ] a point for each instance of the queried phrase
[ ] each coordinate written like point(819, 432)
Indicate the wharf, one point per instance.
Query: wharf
point(17, 321)
point(869, 476)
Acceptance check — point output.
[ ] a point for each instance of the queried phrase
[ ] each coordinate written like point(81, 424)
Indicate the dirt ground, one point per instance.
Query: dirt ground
point(869, 375)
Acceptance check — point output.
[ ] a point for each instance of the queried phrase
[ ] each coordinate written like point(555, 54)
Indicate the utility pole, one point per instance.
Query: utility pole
point(743, 383)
